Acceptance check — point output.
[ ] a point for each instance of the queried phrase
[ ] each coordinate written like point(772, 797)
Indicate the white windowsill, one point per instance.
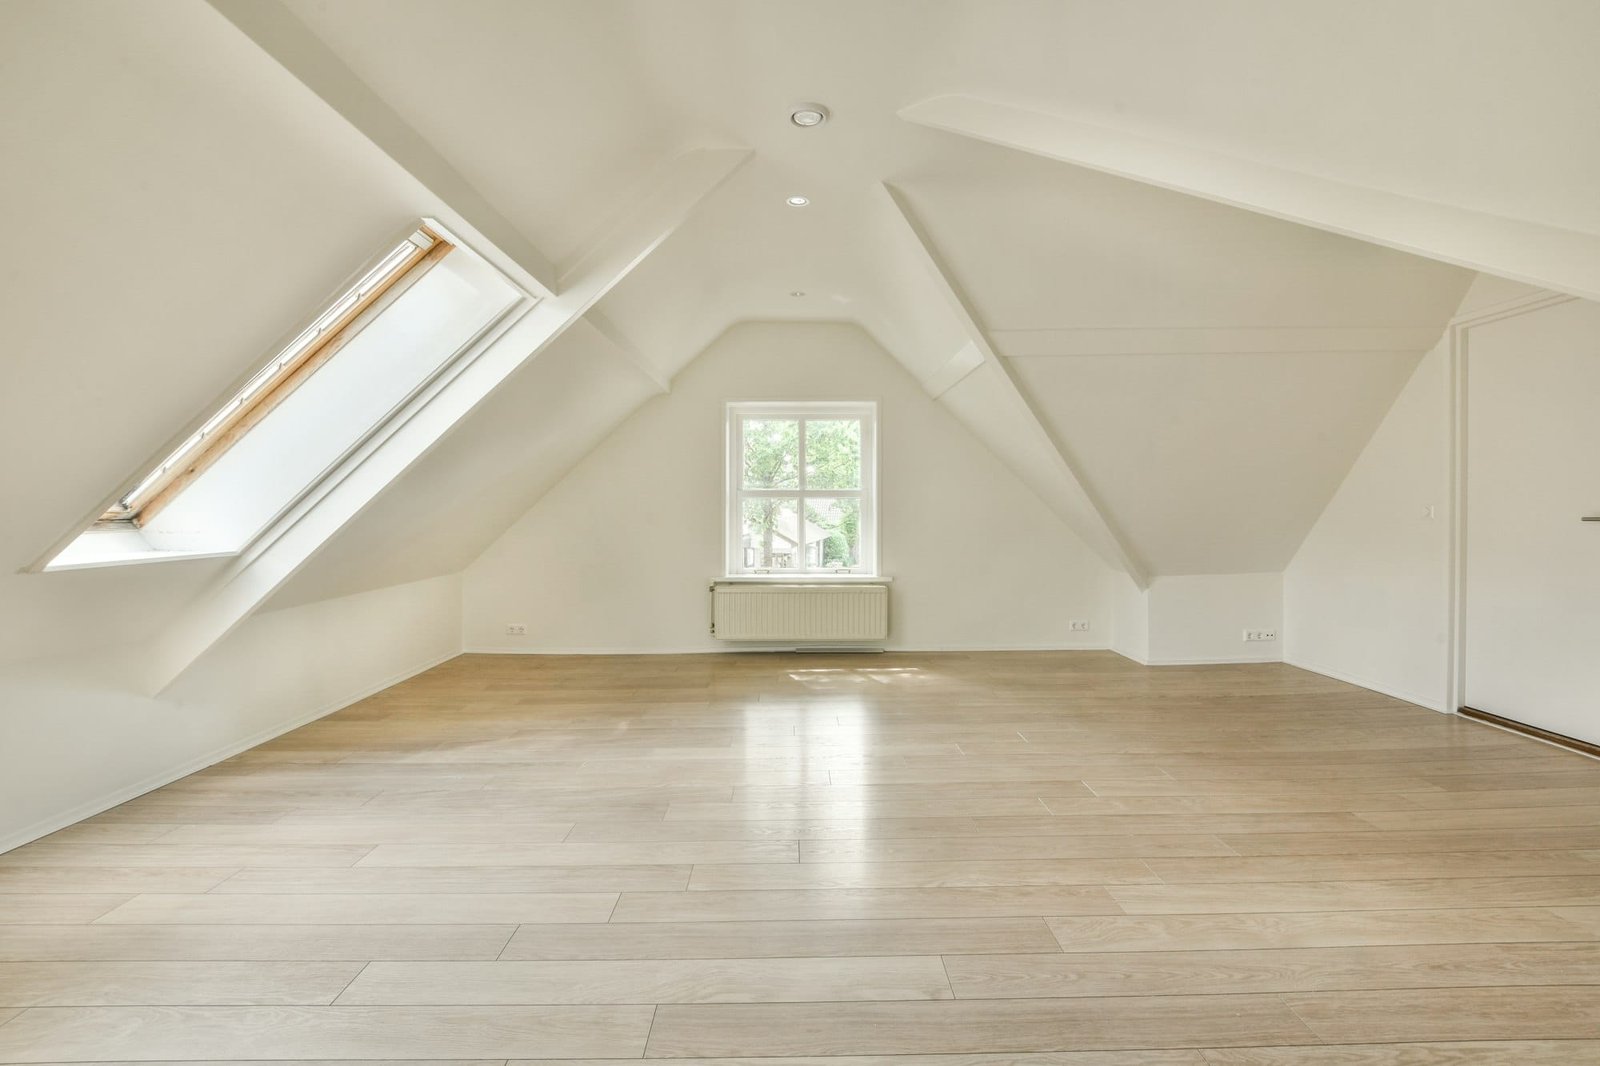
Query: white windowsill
point(801, 579)
point(133, 558)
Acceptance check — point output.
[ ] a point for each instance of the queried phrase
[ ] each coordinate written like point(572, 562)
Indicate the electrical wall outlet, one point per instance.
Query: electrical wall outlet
point(1078, 626)
point(1260, 634)
point(516, 629)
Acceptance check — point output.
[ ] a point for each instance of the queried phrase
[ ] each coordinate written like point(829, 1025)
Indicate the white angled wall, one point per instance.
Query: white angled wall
point(618, 555)
point(1366, 598)
point(74, 740)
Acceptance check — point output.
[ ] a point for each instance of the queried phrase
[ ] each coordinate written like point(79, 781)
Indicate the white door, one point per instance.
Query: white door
point(1532, 574)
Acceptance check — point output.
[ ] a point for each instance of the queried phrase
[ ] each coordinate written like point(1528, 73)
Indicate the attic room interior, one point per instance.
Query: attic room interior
point(928, 532)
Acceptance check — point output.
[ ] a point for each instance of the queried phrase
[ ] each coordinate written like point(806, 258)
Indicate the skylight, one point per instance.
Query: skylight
point(270, 385)
point(311, 414)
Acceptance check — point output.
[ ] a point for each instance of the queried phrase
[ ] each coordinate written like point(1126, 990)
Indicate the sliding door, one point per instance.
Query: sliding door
point(1532, 563)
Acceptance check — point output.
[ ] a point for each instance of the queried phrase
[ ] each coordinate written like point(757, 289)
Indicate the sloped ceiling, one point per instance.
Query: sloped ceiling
point(1207, 373)
point(1172, 346)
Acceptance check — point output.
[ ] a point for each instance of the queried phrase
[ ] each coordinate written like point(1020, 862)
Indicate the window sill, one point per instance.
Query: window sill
point(132, 558)
point(801, 579)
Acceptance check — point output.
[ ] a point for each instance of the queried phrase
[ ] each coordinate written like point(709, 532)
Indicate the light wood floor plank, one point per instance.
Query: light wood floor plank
point(1544, 1013)
point(778, 939)
point(105, 881)
point(1481, 818)
point(371, 834)
point(948, 874)
point(963, 1027)
point(1173, 973)
point(776, 980)
point(1376, 867)
point(96, 984)
point(1484, 1053)
point(1045, 1058)
point(25, 908)
point(358, 909)
point(1315, 929)
point(1060, 846)
point(221, 943)
point(75, 854)
point(1385, 895)
point(459, 879)
point(801, 904)
point(88, 1034)
point(1026, 826)
point(635, 854)
point(1518, 839)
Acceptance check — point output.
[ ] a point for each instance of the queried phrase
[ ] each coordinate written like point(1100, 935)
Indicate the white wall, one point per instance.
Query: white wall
point(1201, 618)
point(1130, 618)
point(1366, 598)
point(73, 740)
point(618, 555)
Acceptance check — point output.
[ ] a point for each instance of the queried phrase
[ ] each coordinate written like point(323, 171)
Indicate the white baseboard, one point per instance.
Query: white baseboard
point(728, 647)
point(1370, 685)
point(1225, 660)
point(166, 777)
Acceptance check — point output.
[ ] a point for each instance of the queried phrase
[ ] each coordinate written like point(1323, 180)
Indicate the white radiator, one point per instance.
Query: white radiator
point(799, 612)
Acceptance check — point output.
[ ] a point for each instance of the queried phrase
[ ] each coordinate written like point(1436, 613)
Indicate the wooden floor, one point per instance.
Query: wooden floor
point(1018, 858)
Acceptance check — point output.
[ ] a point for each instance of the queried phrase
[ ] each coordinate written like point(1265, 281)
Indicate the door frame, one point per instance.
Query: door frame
point(1460, 334)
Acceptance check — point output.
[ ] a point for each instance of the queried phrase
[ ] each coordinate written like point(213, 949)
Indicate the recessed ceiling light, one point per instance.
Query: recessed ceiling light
point(807, 115)
point(798, 292)
point(798, 201)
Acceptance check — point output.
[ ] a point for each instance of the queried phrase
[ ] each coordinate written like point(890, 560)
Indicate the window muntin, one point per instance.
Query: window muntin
point(270, 385)
point(802, 488)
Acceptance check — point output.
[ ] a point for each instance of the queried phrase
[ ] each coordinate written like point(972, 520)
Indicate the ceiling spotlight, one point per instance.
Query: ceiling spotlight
point(798, 292)
point(798, 201)
point(807, 115)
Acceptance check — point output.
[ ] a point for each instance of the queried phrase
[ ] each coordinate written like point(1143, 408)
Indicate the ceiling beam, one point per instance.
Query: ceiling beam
point(276, 31)
point(1073, 499)
point(275, 556)
point(1546, 256)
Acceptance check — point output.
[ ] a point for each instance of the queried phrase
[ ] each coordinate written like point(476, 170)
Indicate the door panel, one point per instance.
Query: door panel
point(1532, 588)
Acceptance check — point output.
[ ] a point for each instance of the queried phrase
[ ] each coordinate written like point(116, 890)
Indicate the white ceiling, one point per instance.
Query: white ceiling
point(1209, 372)
point(549, 108)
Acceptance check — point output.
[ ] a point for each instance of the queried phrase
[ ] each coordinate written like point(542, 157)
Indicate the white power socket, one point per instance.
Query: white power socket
point(1078, 627)
point(1260, 634)
point(516, 629)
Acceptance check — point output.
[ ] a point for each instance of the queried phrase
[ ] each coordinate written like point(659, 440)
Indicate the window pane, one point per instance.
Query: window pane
point(771, 539)
point(771, 453)
point(833, 453)
point(833, 533)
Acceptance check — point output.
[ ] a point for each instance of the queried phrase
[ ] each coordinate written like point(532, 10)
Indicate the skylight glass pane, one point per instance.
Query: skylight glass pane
point(398, 260)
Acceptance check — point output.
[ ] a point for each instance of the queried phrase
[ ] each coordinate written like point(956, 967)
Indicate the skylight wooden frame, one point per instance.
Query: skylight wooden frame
point(397, 270)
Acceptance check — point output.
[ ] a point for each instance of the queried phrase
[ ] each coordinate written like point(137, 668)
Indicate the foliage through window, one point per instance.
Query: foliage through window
point(802, 488)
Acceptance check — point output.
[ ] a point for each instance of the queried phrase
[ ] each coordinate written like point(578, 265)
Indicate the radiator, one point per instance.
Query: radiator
point(799, 612)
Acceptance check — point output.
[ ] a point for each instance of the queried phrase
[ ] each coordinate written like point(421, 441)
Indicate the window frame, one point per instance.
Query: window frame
point(737, 413)
point(312, 346)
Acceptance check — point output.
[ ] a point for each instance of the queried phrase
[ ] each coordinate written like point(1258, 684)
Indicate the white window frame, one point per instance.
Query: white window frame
point(737, 413)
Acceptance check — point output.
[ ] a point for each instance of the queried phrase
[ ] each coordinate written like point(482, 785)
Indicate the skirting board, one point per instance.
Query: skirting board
point(1237, 660)
point(1372, 686)
point(150, 784)
point(727, 648)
